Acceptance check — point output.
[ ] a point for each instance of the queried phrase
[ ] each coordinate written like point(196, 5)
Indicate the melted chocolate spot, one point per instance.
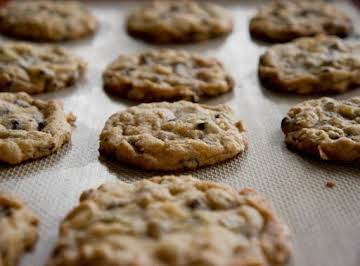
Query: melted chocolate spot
point(15, 124)
point(41, 125)
point(201, 126)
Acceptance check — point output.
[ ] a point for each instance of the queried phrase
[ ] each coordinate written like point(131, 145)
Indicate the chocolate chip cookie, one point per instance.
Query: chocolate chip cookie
point(172, 221)
point(167, 75)
point(43, 20)
point(179, 22)
point(18, 229)
point(36, 68)
point(283, 21)
point(320, 64)
point(31, 128)
point(173, 136)
point(326, 128)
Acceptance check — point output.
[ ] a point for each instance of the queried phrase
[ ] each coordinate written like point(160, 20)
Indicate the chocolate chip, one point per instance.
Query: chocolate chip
point(144, 60)
point(285, 124)
point(5, 211)
point(15, 124)
point(201, 126)
point(174, 8)
point(194, 204)
point(41, 125)
point(217, 116)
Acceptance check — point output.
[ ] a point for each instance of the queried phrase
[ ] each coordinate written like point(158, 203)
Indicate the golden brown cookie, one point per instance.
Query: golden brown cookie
point(44, 20)
point(171, 221)
point(326, 128)
point(320, 65)
point(37, 68)
point(166, 75)
point(179, 22)
point(173, 136)
point(283, 20)
point(18, 229)
point(30, 128)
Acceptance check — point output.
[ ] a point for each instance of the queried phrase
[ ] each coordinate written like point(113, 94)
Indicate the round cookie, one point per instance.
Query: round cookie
point(283, 21)
point(36, 68)
point(320, 64)
point(179, 22)
point(43, 20)
point(326, 128)
point(167, 75)
point(31, 128)
point(172, 221)
point(173, 136)
point(18, 227)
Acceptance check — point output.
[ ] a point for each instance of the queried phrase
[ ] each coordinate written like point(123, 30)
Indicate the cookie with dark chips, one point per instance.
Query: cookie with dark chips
point(43, 20)
point(30, 128)
point(18, 229)
point(179, 22)
point(173, 136)
point(322, 64)
point(283, 20)
point(37, 68)
point(326, 128)
point(172, 221)
point(166, 75)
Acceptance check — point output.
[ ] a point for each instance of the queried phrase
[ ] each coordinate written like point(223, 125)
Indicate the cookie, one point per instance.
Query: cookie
point(173, 136)
point(179, 22)
point(312, 65)
point(50, 21)
point(326, 128)
point(172, 221)
point(18, 229)
point(36, 69)
point(30, 128)
point(283, 21)
point(167, 75)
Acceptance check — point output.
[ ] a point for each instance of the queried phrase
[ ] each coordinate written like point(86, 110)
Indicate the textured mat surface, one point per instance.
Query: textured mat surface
point(325, 222)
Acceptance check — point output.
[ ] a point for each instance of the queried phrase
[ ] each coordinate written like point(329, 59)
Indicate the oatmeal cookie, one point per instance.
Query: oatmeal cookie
point(179, 22)
point(283, 20)
point(173, 136)
point(36, 68)
point(326, 128)
point(172, 221)
point(319, 64)
point(18, 229)
point(43, 20)
point(31, 128)
point(167, 75)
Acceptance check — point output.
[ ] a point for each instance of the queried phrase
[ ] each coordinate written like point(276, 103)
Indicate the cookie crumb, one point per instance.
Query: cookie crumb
point(331, 184)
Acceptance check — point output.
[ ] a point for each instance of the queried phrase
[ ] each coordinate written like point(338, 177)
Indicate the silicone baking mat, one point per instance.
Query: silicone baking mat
point(325, 222)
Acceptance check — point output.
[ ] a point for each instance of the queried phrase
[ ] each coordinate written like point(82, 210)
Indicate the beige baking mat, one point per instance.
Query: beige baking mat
point(325, 222)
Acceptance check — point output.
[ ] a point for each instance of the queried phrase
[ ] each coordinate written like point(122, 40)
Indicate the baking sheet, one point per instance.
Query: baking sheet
point(325, 222)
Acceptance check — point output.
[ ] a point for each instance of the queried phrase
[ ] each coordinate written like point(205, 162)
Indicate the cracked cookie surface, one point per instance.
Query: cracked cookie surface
point(42, 20)
point(167, 75)
point(18, 229)
point(30, 128)
point(172, 221)
point(320, 64)
point(326, 128)
point(37, 68)
point(179, 22)
point(283, 21)
point(173, 136)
